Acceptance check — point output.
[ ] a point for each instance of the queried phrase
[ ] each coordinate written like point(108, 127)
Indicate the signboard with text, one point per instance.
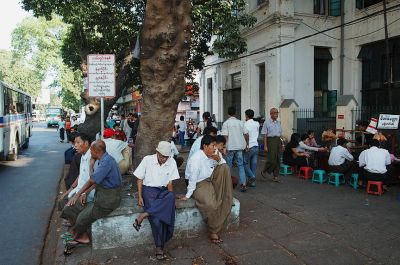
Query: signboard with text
point(388, 121)
point(101, 75)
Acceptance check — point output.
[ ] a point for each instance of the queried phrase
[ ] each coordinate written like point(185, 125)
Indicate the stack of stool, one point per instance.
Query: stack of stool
point(318, 176)
point(305, 172)
point(336, 178)
point(354, 181)
point(378, 185)
point(285, 170)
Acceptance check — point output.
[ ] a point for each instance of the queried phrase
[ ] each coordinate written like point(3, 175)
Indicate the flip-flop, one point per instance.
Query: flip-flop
point(70, 245)
point(161, 256)
point(66, 235)
point(136, 225)
point(276, 180)
point(216, 241)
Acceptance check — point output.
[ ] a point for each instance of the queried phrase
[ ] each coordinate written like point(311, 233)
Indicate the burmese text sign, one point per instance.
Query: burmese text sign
point(101, 75)
point(388, 121)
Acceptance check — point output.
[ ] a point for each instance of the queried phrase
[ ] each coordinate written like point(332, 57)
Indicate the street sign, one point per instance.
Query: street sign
point(101, 75)
point(388, 121)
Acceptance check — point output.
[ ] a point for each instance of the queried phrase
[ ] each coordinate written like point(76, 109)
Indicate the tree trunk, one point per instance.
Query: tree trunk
point(165, 43)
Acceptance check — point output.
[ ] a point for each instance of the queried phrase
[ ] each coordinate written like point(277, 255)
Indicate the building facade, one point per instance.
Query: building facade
point(313, 69)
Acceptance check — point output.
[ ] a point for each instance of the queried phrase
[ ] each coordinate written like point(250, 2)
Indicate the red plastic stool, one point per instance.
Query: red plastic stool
point(378, 185)
point(305, 172)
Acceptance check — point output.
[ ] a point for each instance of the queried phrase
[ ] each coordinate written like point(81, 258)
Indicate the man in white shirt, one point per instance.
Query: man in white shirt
point(197, 144)
point(210, 184)
point(70, 212)
point(251, 155)
point(155, 194)
point(340, 159)
point(182, 131)
point(374, 160)
point(237, 140)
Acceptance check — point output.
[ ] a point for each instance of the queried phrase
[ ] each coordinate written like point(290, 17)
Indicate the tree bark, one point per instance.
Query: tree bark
point(165, 41)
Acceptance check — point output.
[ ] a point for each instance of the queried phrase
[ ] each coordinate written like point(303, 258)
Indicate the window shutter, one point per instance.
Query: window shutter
point(334, 8)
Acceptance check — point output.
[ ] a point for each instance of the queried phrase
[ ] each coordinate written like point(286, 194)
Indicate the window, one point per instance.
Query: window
point(232, 97)
point(360, 4)
point(261, 88)
point(374, 72)
point(6, 102)
point(209, 94)
point(327, 7)
point(324, 99)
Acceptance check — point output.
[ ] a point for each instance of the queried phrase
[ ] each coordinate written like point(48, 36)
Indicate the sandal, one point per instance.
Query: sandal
point(136, 225)
point(243, 188)
point(161, 256)
point(277, 180)
point(66, 235)
point(216, 240)
point(69, 246)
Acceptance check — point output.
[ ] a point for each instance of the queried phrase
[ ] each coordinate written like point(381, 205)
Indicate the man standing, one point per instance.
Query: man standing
point(272, 131)
point(237, 139)
point(250, 157)
point(182, 131)
point(107, 181)
point(133, 122)
point(61, 129)
point(155, 194)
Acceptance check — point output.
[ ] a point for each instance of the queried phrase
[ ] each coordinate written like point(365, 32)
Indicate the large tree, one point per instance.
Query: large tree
point(174, 38)
point(36, 56)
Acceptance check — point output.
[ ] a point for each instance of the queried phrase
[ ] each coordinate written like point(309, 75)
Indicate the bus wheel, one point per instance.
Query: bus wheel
point(14, 155)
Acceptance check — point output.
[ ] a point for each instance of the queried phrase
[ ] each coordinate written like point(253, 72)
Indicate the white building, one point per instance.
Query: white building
point(309, 70)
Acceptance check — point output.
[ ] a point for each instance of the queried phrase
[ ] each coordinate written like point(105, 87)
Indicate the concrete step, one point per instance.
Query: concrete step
point(116, 229)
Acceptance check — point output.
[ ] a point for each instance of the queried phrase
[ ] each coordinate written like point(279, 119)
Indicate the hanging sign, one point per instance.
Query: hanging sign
point(101, 75)
point(388, 121)
point(372, 126)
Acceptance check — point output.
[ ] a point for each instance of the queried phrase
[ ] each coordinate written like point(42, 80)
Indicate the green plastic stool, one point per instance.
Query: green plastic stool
point(318, 176)
point(337, 181)
point(354, 181)
point(285, 170)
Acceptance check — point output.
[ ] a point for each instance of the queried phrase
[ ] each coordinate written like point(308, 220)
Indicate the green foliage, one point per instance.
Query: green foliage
point(37, 44)
point(111, 26)
point(17, 73)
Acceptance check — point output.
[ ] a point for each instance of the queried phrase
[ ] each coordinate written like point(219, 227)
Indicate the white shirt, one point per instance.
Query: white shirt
point(195, 147)
point(303, 147)
point(203, 124)
point(198, 168)
point(375, 160)
point(73, 123)
point(114, 148)
point(174, 150)
point(154, 175)
point(254, 129)
point(338, 156)
point(84, 176)
point(182, 126)
point(235, 130)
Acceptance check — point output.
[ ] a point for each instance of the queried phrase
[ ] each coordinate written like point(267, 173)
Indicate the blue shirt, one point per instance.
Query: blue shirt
point(107, 173)
point(272, 128)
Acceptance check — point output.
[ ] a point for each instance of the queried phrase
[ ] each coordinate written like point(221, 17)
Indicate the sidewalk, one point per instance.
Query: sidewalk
point(293, 222)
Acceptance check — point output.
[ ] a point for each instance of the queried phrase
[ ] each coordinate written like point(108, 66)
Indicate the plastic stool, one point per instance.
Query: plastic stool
point(378, 185)
point(318, 176)
point(305, 172)
point(285, 170)
point(336, 179)
point(354, 181)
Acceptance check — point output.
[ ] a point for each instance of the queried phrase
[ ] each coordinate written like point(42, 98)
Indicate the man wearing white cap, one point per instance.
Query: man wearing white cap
point(155, 194)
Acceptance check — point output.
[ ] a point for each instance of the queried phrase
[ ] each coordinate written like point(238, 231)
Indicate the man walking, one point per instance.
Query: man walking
point(237, 139)
point(272, 131)
point(250, 157)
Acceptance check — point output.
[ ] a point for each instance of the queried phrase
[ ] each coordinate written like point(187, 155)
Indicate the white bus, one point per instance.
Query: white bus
point(15, 121)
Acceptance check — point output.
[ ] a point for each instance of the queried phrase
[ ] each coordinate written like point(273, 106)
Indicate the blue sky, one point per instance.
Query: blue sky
point(11, 15)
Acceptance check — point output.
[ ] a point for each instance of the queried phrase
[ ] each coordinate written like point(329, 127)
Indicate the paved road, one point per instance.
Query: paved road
point(27, 191)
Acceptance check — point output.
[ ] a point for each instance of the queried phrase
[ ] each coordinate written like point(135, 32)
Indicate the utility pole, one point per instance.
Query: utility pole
point(388, 65)
point(341, 48)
